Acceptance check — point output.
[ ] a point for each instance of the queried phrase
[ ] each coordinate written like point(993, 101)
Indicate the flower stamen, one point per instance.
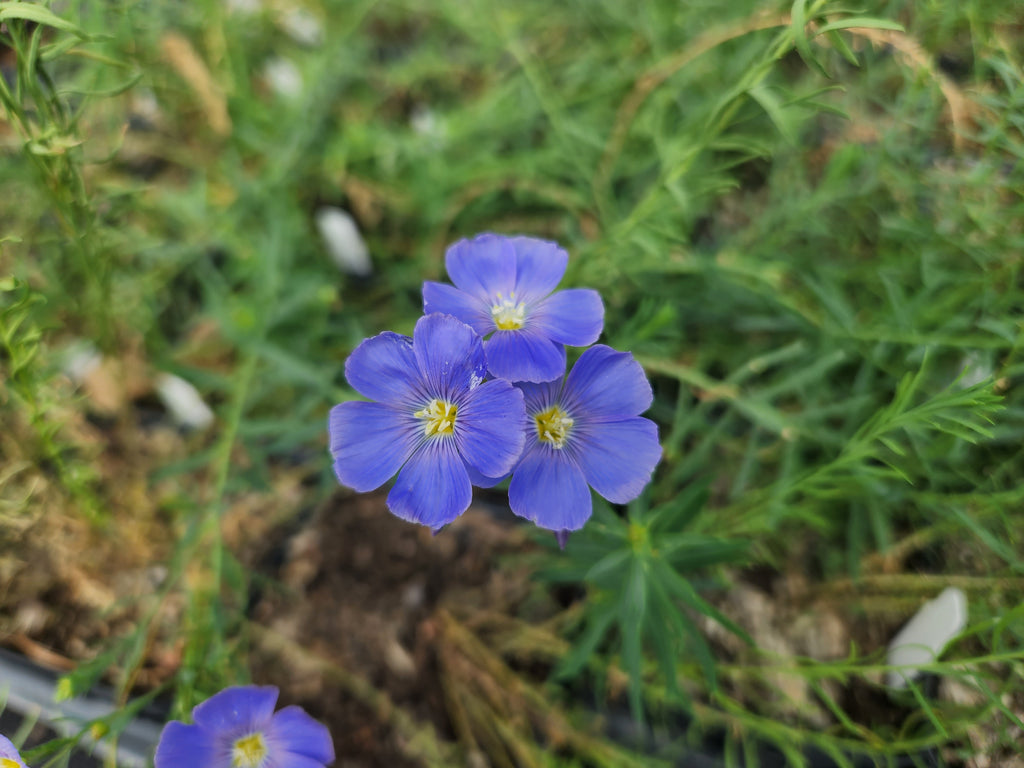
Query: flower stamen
point(507, 313)
point(6, 762)
point(553, 426)
point(439, 416)
point(249, 751)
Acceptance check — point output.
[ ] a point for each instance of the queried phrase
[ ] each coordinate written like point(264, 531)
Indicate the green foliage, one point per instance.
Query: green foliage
point(29, 381)
point(635, 569)
point(804, 221)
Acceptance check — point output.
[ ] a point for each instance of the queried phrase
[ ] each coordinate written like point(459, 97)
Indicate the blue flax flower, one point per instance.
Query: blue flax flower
point(585, 431)
point(9, 757)
point(503, 287)
point(436, 422)
point(238, 728)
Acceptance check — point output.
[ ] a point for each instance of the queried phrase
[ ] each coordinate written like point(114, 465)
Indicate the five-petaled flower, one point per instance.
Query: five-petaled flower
point(503, 287)
point(585, 430)
point(238, 728)
point(9, 757)
point(435, 421)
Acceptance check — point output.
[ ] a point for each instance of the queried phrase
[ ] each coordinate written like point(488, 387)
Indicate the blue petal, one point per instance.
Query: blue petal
point(448, 300)
point(287, 760)
point(295, 732)
point(540, 397)
point(483, 267)
point(383, 368)
point(433, 487)
point(491, 428)
point(9, 752)
point(540, 265)
point(449, 354)
point(574, 317)
point(241, 709)
point(548, 488)
point(480, 480)
point(607, 385)
point(370, 442)
point(618, 457)
point(189, 745)
point(524, 355)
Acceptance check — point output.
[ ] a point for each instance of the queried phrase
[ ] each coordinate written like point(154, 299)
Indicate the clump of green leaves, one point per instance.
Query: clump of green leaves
point(26, 370)
point(640, 600)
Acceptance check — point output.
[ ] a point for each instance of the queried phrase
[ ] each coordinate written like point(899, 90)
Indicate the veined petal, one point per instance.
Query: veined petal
point(480, 480)
point(540, 397)
point(433, 487)
point(574, 317)
point(383, 368)
point(607, 385)
point(483, 267)
point(548, 488)
point(524, 355)
point(182, 744)
point(618, 457)
point(449, 300)
point(370, 442)
point(449, 354)
point(242, 709)
point(288, 760)
point(540, 265)
point(292, 730)
point(491, 428)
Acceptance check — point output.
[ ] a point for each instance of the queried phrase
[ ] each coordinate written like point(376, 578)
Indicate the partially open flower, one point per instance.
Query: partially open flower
point(238, 728)
point(503, 287)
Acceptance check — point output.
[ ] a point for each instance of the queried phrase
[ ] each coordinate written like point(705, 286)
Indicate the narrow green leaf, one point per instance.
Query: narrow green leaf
point(684, 591)
point(840, 44)
point(632, 607)
point(689, 552)
point(659, 622)
point(114, 90)
point(798, 27)
point(678, 513)
point(599, 620)
point(38, 14)
point(775, 111)
point(700, 649)
point(606, 573)
point(861, 22)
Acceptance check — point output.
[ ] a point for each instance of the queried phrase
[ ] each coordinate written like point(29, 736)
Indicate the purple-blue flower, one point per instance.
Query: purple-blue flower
point(503, 287)
point(435, 421)
point(585, 430)
point(9, 757)
point(238, 728)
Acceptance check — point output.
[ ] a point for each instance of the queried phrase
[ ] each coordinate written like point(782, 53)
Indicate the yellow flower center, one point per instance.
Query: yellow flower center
point(249, 751)
point(439, 416)
point(6, 762)
point(508, 314)
point(553, 426)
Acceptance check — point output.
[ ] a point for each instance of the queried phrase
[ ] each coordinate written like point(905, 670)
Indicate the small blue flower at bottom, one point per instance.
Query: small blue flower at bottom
point(585, 430)
point(238, 728)
point(9, 757)
point(435, 422)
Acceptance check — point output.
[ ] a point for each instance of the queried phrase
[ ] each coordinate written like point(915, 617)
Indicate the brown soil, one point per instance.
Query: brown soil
point(351, 627)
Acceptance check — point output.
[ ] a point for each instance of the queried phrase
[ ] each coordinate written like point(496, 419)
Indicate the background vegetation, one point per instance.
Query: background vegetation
point(807, 224)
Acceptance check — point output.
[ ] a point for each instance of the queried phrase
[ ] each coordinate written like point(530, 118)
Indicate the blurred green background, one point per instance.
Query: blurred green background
point(806, 222)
